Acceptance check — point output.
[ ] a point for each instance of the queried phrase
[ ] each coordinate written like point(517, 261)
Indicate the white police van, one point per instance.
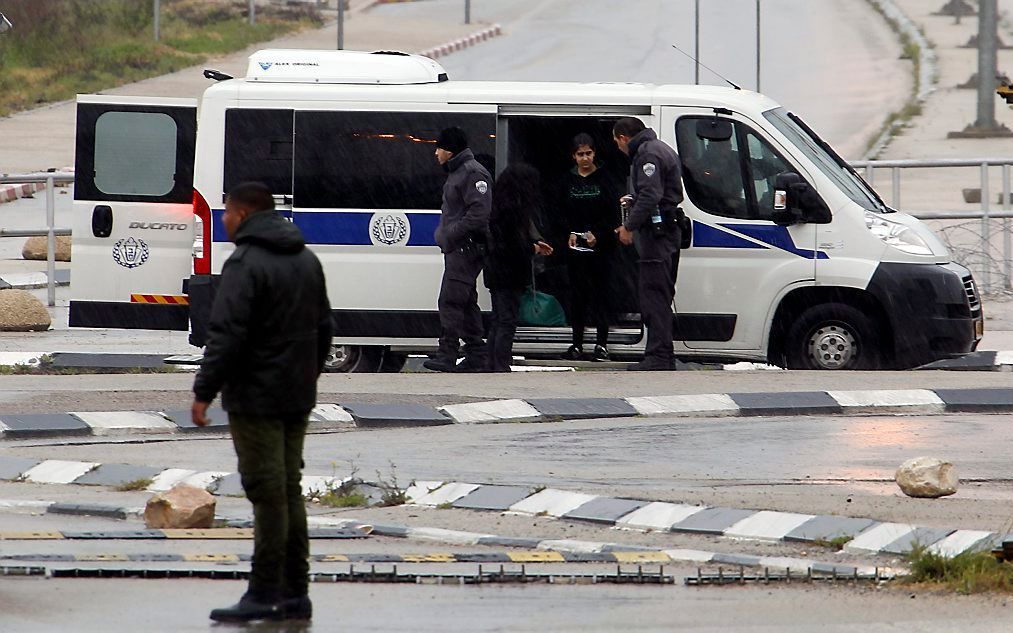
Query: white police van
point(794, 259)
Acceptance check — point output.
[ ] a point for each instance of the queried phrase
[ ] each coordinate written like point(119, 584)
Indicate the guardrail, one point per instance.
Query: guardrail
point(51, 179)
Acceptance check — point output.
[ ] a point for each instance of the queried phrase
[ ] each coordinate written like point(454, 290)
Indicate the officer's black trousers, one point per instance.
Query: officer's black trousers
point(657, 291)
point(505, 303)
point(460, 316)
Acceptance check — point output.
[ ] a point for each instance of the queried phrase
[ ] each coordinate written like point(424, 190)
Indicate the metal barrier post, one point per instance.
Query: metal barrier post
point(869, 178)
point(986, 241)
point(51, 240)
point(1006, 238)
point(896, 187)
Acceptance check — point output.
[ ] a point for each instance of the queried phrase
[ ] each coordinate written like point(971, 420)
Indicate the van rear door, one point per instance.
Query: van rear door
point(133, 212)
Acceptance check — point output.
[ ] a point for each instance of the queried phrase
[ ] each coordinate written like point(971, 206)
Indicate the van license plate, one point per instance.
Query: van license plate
point(979, 329)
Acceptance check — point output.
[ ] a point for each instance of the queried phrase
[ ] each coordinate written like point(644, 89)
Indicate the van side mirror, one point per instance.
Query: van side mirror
point(796, 202)
point(5, 24)
point(714, 129)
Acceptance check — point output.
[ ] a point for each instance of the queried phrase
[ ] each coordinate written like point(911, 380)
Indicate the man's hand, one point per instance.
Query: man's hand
point(543, 249)
point(199, 413)
point(573, 240)
point(591, 239)
point(625, 236)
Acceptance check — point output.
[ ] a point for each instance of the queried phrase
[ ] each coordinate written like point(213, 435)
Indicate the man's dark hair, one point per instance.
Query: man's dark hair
point(582, 139)
point(254, 195)
point(628, 126)
point(453, 139)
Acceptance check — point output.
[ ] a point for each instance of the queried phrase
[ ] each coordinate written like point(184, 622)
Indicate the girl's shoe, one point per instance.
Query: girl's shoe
point(601, 354)
point(574, 353)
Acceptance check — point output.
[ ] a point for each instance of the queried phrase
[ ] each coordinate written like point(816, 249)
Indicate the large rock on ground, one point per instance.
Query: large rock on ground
point(20, 311)
point(35, 248)
point(184, 507)
point(927, 477)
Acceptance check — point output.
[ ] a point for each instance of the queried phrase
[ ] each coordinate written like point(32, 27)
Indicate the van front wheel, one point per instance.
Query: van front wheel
point(354, 359)
point(833, 336)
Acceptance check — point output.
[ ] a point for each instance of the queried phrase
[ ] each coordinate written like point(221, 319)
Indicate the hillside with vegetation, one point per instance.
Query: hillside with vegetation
point(59, 48)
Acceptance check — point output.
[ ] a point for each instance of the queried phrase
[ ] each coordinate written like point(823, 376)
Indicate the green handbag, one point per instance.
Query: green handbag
point(540, 309)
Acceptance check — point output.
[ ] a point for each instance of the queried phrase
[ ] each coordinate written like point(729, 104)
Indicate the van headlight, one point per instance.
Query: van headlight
point(897, 235)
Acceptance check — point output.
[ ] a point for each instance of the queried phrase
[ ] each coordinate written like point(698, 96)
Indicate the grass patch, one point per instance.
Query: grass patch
point(966, 573)
point(137, 484)
point(59, 48)
point(335, 499)
point(837, 543)
point(46, 368)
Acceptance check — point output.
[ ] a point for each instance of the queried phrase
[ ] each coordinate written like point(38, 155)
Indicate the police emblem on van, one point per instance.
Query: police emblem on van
point(266, 65)
point(130, 252)
point(389, 229)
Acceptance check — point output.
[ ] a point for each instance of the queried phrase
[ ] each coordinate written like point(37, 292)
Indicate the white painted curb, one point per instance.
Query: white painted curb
point(491, 411)
point(713, 404)
point(468, 41)
point(553, 502)
point(889, 401)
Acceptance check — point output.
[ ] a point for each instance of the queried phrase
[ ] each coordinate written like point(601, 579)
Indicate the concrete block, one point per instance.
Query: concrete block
point(551, 502)
point(117, 475)
point(43, 425)
point(976, 400)
point(169, 478)
point(569, 545)
point(482, 557)
point(419, 489)
point(889, 401)
point(877, 537)
point(451, 537)
point(498, 498)
point(689, 555)
point(58, 471)
point(14, 467)
point(962, 541)
point(505, 541)
point(330, 413)
point(113, 422)
point(657, 516)
point(710, 405)
point(230, 485)
point(588, 557)
point(712, 520)
point(975, 361)
point(395, 415)
point(604, 509)
point(491, 411)
point(447, 493)
point(87, 509)
point(918, 537)
point(741, 560)
point(205, 480)
point(182, 418)
point(827, 528)
point(767, 525)
point(583, 408)
point(782, 563)
point(786, 403)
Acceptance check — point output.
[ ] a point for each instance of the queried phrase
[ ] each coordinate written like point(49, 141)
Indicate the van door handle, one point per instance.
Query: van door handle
point(102, 221)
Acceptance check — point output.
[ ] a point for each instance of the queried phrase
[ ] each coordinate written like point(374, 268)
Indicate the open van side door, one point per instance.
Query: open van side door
point(133, 227)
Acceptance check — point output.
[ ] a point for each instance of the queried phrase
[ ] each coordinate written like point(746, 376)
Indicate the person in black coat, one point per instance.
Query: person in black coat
point(591, 211)
point(512, 242)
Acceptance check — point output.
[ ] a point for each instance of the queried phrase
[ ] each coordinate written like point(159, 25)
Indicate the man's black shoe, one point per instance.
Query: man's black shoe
point(297, 608)
point(652, 365)
point(468, 366)
point(248, 609)
point(435, 364)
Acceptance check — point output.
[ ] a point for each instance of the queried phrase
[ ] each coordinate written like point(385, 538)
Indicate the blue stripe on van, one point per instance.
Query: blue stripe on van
point(707, 236)
point(776, 236)
point(343, 228)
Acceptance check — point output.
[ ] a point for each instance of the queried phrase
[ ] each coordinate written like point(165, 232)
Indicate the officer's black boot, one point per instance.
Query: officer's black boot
point(653, 364)
point(440, 364)
point(297, 608)
point(248, 609)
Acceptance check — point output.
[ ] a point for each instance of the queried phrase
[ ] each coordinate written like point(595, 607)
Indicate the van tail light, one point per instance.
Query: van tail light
point(201, 235)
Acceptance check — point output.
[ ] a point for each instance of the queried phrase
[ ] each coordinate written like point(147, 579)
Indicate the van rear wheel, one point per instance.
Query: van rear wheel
point(354, 359)
point(833, 336)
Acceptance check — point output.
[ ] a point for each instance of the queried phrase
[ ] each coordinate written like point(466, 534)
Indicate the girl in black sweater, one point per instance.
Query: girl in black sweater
point(513, 241)
point(591, 209)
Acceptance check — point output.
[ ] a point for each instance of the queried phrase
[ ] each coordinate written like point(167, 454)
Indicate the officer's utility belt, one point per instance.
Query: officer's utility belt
point(678, 220)
point(471, 246)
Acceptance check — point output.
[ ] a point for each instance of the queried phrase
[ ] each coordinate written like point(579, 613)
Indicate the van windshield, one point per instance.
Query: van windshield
point(826, 159)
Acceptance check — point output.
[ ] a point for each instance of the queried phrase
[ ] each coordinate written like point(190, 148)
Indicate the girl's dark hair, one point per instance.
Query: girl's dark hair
point(582, 139)
point(515, 195)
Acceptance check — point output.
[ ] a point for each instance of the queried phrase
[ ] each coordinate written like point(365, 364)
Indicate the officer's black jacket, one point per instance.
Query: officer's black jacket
point(270, 329)
point(655, 180)
point(467, 199)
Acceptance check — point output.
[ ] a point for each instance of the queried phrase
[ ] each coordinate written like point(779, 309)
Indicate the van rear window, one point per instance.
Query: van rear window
point(379, 160)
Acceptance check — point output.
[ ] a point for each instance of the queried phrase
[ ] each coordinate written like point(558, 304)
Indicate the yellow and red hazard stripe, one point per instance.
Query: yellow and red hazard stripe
point(170, 300)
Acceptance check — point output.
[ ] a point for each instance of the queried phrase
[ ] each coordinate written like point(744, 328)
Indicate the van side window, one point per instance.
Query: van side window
point(379, 160)
point(135, 153)
point(731, 178)
point(258, 147)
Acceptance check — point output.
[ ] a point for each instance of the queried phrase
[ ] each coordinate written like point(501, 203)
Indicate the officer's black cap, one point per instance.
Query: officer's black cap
point(453, 139)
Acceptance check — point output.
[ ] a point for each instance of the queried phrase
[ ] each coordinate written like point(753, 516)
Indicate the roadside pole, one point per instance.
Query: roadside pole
point(253, 12)
point(696, 43)
point(341, 25)
point(467, 11)
point(758, 40)
point(51, 240)
point(985, 125)
point(155, 20)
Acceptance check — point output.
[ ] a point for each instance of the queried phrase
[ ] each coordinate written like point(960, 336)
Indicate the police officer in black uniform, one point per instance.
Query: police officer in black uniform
point(461, 235)
point(652, 224)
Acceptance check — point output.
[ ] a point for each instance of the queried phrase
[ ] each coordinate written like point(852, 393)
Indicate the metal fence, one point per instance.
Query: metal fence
point(980, 239)
point(51, 179)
